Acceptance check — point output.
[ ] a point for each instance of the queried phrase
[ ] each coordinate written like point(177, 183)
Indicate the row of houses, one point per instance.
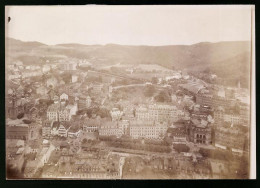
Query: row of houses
point(159, 112)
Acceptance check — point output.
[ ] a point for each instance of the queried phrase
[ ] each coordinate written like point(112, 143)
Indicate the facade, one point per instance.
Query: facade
point(74, 78)
point(53, 112)
point(227, 137)
point(159, 113)
point(178, 134)
point(110, 129)
point(17, 131)
point(46, 129)
point(192, 89)
point(64, 96)
point(68, 66)
point(91, 125)
point(212, 101)
point(84, 102)
point(97, 88)
point(148, 129)
point(116, 114)
point(199, 132)
point(63, 129)
point(64, 114)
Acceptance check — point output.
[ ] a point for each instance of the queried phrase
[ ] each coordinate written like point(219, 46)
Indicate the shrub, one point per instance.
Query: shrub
point(181, 148)
point(20, 116)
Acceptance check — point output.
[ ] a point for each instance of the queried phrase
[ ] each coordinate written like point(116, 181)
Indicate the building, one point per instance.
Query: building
point(17, 129)
point(64, 114)
point(53, 112)
point(63, 129)
point(58, 112)
point(52, 82)
point(46, 129)
point(124, 125)
point(84, 102)
point(74, 78)
point(177, 133)
point(74, 131)
point(142, 113)
point(64, 96)
point(148, 129)
point(116, 114)
point(46, 68)
point(29, 73)
point(199, 131)
point(20, 131)
point(230, 137)
point(110, 128)
point(159, 112)
point(213, 101)
point(193, 88)
point(68, 66)
point(91, 125)
point(97, 88)
point(72, 109)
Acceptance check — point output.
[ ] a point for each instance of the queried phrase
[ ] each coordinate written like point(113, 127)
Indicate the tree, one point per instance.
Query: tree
point(20, 116)
point(149, 91)
point(154, 80)
point(181, 148)
point(26, 121)
point(163, 96)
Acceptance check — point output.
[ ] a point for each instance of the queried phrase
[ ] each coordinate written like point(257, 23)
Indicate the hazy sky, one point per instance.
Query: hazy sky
point(133, 25)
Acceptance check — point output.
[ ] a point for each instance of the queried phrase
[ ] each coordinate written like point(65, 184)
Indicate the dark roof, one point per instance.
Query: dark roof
point(55, 124)
point(74, 129)
point(65, 124)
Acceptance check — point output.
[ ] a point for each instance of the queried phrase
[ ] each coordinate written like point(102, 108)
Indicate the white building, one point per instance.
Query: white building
point(64, 96)
point(116, 114)
point(148, 129)
point(74, 78)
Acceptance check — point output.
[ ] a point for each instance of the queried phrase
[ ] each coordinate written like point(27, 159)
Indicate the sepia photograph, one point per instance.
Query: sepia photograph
point(140, 92)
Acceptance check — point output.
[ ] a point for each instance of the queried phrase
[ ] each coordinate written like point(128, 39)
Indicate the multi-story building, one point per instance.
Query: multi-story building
point(148, 129)
point(230, 137)
point(199, 131)
point(52, 82)
point(84, 102)
point(64, 114)
point(46, 129)
point(116, 114)
point(91, 125)
point(29, 73)
point(17, 131)
point(74, 78)
point(142, 113)
point(57, 112)
point(64, 96)
point(124, 125)
point(53, 112)
point(232, 118)
point(159, 113)
point(97, 87)
point(68, 66)
point(213, 101)
point(177, 133)
point(63, 129)
point(110, 128)
point(244, 112)
point(193, 88)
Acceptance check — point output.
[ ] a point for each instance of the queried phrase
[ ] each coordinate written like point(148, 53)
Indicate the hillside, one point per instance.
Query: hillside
point(223, 58)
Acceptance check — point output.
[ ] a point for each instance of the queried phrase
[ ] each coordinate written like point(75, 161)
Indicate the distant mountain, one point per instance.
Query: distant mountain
point(223, 58)
point(17, 44)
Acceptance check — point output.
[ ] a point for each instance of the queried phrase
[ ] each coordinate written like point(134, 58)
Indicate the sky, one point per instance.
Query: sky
point(129, 25)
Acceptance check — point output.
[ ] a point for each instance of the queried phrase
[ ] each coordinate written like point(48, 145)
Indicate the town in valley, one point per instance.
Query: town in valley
point(73, 118)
